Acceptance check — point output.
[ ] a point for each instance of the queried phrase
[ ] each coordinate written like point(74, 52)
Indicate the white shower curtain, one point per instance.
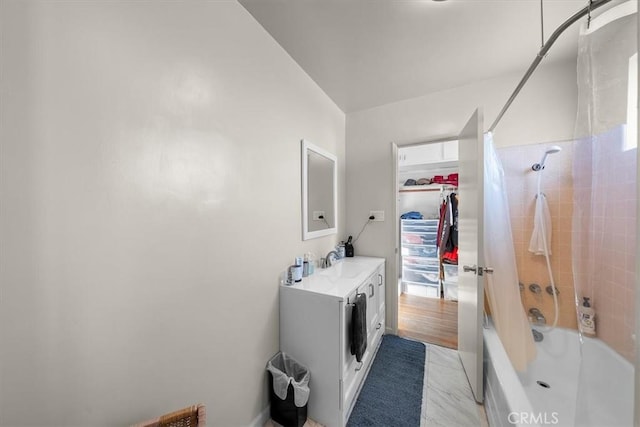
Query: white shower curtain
point(502, 287)
point(605, 188)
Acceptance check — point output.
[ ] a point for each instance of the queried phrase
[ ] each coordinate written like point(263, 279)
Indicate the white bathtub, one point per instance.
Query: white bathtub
point(601, 381)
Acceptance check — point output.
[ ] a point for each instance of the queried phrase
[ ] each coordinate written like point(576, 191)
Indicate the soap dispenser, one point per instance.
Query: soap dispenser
point(587, 318)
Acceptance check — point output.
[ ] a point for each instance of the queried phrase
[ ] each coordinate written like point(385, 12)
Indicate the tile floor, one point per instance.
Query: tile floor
point(447, 399)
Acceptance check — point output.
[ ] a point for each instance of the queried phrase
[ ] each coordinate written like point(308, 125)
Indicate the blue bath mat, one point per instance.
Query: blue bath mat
point(392, 392)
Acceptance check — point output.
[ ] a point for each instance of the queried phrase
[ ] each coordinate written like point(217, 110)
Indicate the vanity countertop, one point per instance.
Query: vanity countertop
point(340, 279)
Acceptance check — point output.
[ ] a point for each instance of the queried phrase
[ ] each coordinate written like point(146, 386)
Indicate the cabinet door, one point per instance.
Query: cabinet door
point(352, 370)
point(380, 280)
point(372, 307)
point(381, 309)
point(421, 154)
point(349, 363)
point(450, 150)
point(351, 366)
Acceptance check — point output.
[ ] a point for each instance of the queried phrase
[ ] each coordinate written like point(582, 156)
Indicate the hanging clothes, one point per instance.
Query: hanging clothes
point(445, 226)
point(449, 236)
point(453, 235)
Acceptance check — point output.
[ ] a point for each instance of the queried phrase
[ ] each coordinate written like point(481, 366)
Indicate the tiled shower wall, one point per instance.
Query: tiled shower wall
point(557, 186)
point(606, 239)
point(610, 263)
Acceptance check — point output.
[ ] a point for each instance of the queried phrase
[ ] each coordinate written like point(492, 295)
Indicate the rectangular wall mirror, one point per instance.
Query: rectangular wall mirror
point(319, 192)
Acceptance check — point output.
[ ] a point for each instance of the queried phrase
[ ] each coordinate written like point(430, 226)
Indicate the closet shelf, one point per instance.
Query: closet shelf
point(416, 188)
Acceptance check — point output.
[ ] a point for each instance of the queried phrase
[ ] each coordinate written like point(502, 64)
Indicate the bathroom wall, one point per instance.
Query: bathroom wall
point(544, 111)
point(150, 184)
point(605, 235)
point(557, 185)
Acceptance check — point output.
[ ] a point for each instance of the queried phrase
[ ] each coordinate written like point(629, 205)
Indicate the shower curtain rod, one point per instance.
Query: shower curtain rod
point(594, 4)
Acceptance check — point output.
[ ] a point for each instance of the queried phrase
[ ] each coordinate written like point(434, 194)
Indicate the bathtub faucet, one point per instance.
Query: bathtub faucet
point(536, 316)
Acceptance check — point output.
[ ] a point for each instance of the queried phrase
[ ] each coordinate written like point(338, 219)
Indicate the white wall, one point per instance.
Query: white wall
point(427, 203)
point(150, 187)
point(544, 111)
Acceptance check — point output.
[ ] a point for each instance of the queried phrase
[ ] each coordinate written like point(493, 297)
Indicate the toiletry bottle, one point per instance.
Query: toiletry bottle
point(305, 266)
point(289, 275)
point(587, 318)
point(297, 270)
point(312, 263)
point(340, 250)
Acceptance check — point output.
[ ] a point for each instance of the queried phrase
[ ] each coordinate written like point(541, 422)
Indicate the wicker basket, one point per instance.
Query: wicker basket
point(193, 416)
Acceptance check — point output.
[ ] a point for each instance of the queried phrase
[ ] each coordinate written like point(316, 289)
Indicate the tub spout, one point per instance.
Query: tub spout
point(536, 316)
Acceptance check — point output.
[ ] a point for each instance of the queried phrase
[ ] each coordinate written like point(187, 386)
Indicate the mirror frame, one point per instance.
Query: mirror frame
point(306, 148)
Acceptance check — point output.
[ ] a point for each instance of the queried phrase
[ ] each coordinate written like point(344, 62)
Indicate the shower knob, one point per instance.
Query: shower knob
point(549, 290)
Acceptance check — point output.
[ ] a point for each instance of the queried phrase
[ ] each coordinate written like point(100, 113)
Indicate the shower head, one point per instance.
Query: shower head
point(551, 150)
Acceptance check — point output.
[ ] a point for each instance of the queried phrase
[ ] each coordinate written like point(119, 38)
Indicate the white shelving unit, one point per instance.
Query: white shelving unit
point(450, 283)
point(419, 250)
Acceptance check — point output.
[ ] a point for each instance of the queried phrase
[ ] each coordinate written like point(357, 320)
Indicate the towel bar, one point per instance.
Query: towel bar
point(352, 303)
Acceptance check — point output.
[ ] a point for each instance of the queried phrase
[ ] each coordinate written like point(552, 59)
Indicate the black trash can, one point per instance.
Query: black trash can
point(288, 390)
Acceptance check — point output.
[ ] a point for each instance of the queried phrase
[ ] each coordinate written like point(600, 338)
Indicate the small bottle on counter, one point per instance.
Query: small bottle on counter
point(305, 266)
point(587, 317)
point(297, 269)
point(312, 263)
point(340, 250)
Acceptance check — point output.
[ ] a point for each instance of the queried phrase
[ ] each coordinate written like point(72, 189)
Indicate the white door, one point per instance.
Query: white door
point(470, 251)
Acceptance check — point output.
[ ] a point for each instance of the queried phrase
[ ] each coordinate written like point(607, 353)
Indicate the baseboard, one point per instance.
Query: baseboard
point(261, 419)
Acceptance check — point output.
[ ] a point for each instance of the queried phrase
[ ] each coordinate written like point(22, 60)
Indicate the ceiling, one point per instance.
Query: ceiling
point(365, 53)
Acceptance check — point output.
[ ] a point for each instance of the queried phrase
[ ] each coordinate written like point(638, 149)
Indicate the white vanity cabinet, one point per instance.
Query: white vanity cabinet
point(315, 320)
point(375, 289)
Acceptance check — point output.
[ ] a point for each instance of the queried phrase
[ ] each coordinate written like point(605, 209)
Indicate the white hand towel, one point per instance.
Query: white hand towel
point(541, 221)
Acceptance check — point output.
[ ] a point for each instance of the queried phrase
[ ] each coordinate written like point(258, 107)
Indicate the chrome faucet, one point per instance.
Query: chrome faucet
point(536, 316)
point(327, 259)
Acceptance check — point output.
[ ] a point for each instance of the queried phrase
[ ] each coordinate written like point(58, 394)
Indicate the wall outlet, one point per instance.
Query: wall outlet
point(317, 215)
point(379, 215)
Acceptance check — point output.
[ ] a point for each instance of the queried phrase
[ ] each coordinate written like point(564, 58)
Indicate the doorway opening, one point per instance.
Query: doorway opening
point(426, 214)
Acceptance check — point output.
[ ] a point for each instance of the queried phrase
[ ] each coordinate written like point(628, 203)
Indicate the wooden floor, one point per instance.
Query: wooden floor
point(430, 320)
